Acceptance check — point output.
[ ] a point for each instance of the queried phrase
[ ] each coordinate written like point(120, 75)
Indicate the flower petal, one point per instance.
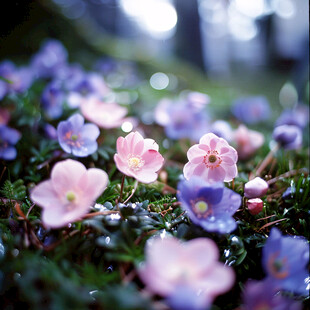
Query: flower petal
point(66, 175)
point(44, 195)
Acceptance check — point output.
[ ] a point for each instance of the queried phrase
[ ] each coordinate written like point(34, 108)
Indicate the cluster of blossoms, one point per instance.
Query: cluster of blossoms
point(188, 274)
point(185, 117)
point(68, 86)
point(203, 195)
point(73, 189)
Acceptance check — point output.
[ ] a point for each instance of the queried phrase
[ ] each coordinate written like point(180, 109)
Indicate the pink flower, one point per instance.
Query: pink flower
point(255, 205)
point(171, 264)
point(105, 115)
point(69, 193)
point(247, 141)
point(213, 159)
point(138, 158)
point(256, 188)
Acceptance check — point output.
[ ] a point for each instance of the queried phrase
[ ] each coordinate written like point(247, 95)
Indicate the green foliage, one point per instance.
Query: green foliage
point(15, 190)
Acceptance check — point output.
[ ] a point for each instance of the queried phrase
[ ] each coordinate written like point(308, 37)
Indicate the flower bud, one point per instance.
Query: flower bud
point(289, 136)
point(255, 205)
point(255, 188)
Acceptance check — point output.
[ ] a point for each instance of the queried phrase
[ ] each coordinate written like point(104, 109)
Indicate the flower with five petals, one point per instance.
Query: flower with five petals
point(70, 192)
point(138, 158)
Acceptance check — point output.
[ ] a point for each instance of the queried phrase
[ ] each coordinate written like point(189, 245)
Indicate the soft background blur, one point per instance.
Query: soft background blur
point(257, 46)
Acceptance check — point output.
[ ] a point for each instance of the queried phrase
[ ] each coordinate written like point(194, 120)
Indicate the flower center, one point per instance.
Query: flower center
point(263, 306)
point(70, 196)
point(73, 140)
point(212, 159)
point(201, 208)
point(135, 162)
point(277, 266)
point(74, 137)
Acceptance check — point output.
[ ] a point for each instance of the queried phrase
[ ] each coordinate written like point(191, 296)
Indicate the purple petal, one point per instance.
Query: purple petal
point(213, 195)
point(90, 131)
point(8, 153)
point(77, 121)
point(9, 135)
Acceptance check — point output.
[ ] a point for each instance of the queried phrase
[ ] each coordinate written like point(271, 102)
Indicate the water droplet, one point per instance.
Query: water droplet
point(236, 245)
point(226, 252)
point(2, 249)
point(92, 293)
point(15, 252)
point(307, 281)
point(41, 233)
point(163, 234)
point(99, 207)
point(168, 225)
point(115, 217)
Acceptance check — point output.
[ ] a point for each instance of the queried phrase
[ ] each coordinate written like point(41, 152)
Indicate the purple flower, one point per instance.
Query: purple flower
point(70, 75)
point(3, 88)
point(285, 260)
point(118, 73)
point(52, 100)
point(181, 120)
point(251, 110)
point(50, 132)
point(89, 85)
point(20, 79)
point(298, 116)
point(197, 100)
point(8, 138)
point(209, 205)
point(51, 57)
point(76, 138)
point(259, 295)
point(222, 129)
point(289, 136)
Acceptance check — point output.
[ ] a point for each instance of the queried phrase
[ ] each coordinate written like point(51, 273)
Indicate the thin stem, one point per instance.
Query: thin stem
point(93, 214)
point(3, 170)
point(31, 207)
point(132, 192)
point(287, 175)
point(122, 189)
point(265, 162)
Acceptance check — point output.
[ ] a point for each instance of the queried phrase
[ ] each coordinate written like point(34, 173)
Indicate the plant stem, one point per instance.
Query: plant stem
point(132, 192)
point(265, 162)
point(122, 189)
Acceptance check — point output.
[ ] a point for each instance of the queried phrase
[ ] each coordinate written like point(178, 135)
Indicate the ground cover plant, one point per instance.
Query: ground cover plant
point(118, 196)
